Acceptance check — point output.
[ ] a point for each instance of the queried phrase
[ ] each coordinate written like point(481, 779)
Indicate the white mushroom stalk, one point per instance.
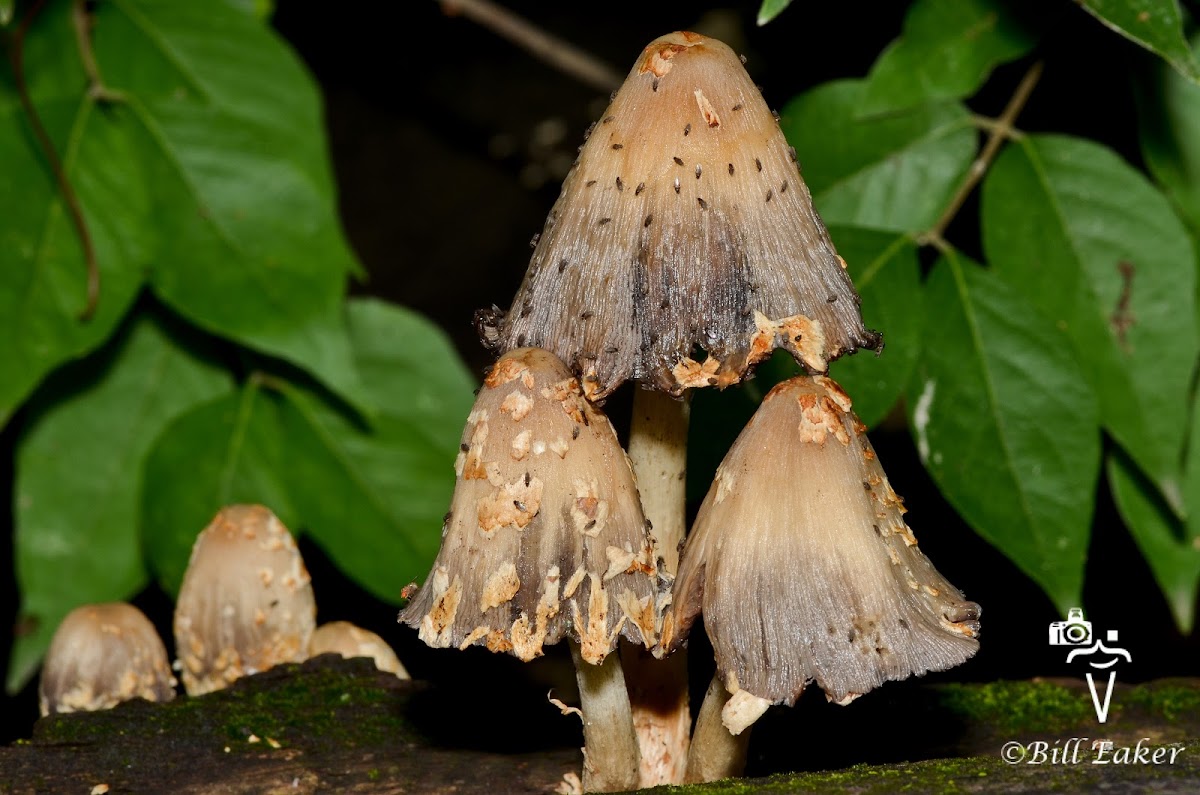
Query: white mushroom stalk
point(546, 539)
point(101, 655)
point(803, 566)
point(246, 603)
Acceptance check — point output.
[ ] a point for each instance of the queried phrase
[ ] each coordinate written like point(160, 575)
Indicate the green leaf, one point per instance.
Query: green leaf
point(43, 277)
point(6, 12)
point(79, 461)
point(1156, 25)
point(374, 499)
point(886, 271)
point(947, 51)
point(1097, 249)
point(1006, 425)
point(1169, 128)
point(771, 9)
point(248, 243)
point(895, 173)
point(227, 451)
point(1170, 547)
point(259, 9)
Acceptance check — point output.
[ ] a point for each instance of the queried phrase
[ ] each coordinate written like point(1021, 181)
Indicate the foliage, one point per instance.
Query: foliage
point(1042, 349)
point(222, 361)
point(1081, 324)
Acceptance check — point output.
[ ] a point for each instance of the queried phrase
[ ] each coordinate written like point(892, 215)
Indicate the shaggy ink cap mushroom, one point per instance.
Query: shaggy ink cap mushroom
point(347, 640)
point(804, 568)
point(684, 223)
point(246, 603)
point(101, 655)
point(545, 536)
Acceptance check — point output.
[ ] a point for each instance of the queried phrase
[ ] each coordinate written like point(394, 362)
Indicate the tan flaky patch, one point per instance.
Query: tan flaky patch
point(803, 336)
point(500, 587)
point(691, 373)
point(437, 623)
point(512, 504)
point(517, 405)
point(589, 511)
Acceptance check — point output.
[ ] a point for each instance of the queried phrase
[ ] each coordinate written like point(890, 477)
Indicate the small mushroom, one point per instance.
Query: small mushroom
point(545, 538)
point(102, 655)
point(246, 603)
point(804, 569)
point(348, 640)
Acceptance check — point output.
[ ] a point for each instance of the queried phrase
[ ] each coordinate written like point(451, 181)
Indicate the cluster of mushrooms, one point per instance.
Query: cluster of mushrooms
point(246, 605)
point(683, 249)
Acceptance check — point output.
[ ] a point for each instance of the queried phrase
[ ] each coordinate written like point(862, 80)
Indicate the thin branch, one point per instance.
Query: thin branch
point(74, 210)
point(82, 21)
point(560, 54)
point(1002, 130)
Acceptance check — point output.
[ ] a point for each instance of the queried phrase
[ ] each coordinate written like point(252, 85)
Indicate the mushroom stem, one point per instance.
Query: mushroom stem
point(658, 450)
point(658, 688)
point(715, 753)
point(610, 749)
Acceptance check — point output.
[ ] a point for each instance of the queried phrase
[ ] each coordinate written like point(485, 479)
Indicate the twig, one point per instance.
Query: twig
point(560, 54)
point(74, 210)
point(1001, 130)
point(82, 21)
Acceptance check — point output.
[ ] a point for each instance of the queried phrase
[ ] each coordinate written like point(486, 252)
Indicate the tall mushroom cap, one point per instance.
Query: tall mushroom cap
point(545, 534)
point(102, 655)
point(803, 566)
point(683, 223)
point(246, 603)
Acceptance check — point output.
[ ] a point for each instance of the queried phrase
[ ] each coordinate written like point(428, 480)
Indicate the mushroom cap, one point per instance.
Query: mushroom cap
point(102, 655)
point(545, 534)
point(246, 603)
point(803, 566)
point(348, 640)
point(683, 223)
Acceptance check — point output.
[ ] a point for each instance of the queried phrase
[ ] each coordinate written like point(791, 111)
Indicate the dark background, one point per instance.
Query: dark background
point(449, 145)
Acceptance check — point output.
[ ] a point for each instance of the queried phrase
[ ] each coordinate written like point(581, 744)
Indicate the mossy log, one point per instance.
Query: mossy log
point(340, 725)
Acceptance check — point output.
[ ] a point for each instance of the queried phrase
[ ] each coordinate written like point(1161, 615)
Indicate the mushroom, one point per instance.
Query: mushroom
point(102, 655)
point(347, 640)
point(246, 603)
point(545, 537)
point(687, 198)
point(805, 570)
point(683, 225)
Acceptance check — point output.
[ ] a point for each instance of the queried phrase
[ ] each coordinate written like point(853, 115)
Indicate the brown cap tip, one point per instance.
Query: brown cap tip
point(545, 534)
point(102, 655)
point(683, 224)
point(348, 640)
point(802, 563)
point(246, 603)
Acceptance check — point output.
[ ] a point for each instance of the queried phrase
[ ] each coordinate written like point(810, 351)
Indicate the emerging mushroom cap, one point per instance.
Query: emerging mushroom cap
point(545, 534)
point(102, 655)
point(683, 223)
point(348, 640)
point(803, 566)
point(246, 603)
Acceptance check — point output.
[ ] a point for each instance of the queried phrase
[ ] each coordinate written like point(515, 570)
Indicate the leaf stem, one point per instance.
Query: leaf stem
point(561, 54)
point(70, 199)
point(1001, 130)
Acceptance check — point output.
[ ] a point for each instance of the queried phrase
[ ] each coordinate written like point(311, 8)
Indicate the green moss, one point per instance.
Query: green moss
point(294, 705)
point(1176, 701)
point(1010, 707)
